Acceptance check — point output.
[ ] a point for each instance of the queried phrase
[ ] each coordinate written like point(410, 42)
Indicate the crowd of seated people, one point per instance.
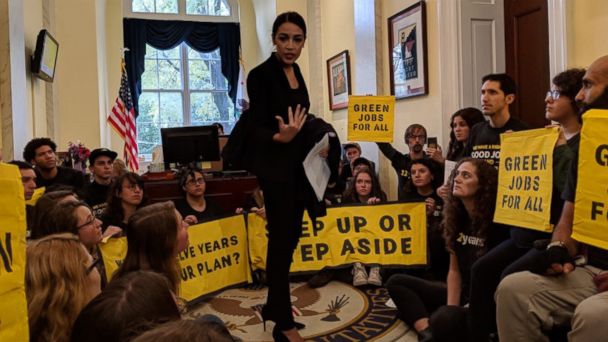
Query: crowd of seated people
point(484, 280)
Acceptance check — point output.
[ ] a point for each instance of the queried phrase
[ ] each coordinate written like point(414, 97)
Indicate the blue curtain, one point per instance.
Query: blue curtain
point(163, 35)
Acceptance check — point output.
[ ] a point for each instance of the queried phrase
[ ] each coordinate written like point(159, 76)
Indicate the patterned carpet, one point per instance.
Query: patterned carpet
point(335, 312)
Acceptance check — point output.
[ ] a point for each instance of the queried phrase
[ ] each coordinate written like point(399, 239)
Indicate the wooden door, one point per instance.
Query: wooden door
point(527, 57)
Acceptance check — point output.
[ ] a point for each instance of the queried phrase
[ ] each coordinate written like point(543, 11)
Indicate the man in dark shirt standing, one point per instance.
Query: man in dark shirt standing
point(101, 161)
point(40, 152)
point(415, 138)
point(497, 93)
point(529, 303)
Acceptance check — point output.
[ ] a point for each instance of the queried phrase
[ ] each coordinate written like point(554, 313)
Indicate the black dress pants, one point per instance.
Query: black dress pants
point(418, 298)
point(284, 211)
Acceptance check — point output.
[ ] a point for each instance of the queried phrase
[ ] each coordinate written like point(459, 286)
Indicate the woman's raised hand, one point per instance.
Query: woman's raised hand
point(288, 131)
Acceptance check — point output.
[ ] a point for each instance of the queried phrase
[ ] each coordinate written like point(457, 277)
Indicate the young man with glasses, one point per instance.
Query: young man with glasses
point(497, 93)
point(415, 138)
point(194, 207)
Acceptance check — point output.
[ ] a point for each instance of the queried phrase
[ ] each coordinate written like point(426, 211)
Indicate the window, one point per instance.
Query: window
point(203, 10)
point(181, 87)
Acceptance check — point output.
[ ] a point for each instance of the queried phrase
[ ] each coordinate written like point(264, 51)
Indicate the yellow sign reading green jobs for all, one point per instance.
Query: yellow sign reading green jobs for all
point(371, 118)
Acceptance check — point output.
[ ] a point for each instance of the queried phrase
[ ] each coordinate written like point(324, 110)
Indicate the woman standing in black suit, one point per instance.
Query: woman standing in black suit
point(278, 103)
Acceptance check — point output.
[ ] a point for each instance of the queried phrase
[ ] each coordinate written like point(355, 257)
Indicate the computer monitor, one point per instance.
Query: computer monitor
point(184, 145)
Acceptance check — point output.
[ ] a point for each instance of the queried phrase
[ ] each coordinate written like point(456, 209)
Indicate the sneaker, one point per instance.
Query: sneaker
point(374, 276)
point(359, 275)
point(322, 277)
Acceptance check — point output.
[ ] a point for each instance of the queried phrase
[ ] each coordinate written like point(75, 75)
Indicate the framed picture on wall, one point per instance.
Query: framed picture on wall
point(338, 79)
point(407, 52)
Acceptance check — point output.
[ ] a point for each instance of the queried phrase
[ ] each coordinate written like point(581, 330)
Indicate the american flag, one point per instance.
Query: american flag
point(122, 119)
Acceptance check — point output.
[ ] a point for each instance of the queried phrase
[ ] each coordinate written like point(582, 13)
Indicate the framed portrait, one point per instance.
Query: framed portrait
point(338, 79)
point(407, 52)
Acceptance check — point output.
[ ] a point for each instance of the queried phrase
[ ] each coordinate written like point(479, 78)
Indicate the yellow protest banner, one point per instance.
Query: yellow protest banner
point(113, 252)
point(216, 257)
point(385, 234)
point(13, 304)
point(525, 178)
point(371, 118)
point(591, 203)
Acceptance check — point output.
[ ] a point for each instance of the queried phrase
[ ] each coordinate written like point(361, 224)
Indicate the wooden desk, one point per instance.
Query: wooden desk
point(228, 192)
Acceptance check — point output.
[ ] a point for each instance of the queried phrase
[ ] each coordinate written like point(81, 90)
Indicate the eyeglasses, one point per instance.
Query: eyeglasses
point(93, 265)
point(553, 94)
point(89, 221)
point(200, 181)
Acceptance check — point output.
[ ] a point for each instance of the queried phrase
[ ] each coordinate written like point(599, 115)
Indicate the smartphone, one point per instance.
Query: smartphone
point(432, 142)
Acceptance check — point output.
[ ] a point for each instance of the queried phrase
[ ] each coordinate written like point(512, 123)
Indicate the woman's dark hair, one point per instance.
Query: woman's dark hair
point(64, 219)
point(471, 116)
point(455, 216)
point(39, 225)
point(187, 330)
point(435, 182)
point(351, 196)
point(128, 306)
point(152, 242)
point(569, 82)
point(186, 172)
point(288, 17)
point(114, 208)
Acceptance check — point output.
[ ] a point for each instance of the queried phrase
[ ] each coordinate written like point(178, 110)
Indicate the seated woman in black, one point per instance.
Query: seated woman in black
point(194, 207)
point(421, 187)
point(364, 188)
point(124, 197)
point(435, 309)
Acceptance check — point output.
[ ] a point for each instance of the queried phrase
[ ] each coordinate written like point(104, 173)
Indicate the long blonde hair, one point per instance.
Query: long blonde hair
point(56, 285)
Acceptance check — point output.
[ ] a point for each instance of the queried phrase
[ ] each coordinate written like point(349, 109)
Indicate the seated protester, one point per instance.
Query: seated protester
point(101, 162)
point(60, 279)
point(128, 306)
point(460, 125)
point(155, 236)
point(28, 179)
point(39, 225)
point(194, 207)
point(517, 253)
point(126, 195)
point(357, 165)
point(187, 330)
point(78, 218)
point(435, 309)
point(40, 152)
point(365, 189)
point(422, 187)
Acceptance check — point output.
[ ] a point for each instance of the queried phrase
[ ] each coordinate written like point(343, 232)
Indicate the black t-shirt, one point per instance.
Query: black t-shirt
point(595, 256)
point(65, 176)
point(484, 140)
point(96, 196)
point(469, 247)
point(211, 210)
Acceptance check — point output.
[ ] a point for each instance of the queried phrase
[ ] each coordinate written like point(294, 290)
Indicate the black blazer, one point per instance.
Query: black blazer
point(270, 95)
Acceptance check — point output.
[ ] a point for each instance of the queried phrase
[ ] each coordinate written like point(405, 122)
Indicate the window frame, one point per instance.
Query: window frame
point(181, 13)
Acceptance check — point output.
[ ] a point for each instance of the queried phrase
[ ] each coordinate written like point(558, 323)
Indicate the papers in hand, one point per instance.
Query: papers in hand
point(449, 167)
point(316, 168)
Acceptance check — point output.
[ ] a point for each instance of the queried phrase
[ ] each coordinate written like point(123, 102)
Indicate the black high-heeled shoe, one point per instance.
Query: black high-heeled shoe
point(266, 316)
